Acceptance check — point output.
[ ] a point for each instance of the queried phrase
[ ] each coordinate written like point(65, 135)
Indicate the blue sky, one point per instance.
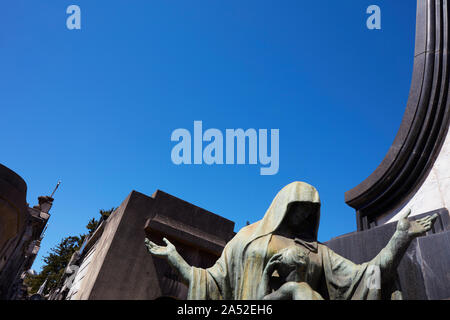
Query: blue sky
point(96, 107)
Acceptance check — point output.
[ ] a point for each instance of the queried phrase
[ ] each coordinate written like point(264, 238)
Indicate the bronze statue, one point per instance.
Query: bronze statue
point(279, 257)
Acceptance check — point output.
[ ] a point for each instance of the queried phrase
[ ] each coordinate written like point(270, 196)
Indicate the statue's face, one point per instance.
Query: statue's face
point(298, 212)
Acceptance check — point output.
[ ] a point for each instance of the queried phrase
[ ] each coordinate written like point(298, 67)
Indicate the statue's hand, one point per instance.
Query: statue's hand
point(415, 228)
point(160, 251)
point(273, 263)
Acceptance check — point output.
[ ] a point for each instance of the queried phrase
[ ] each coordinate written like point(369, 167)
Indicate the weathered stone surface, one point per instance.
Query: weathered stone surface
point(21, 229)
point(115, 263)
point(434, 193)
point(13, 213)
point(424, 272)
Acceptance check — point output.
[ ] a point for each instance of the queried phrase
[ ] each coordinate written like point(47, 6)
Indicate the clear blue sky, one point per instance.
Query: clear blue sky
point(96, 107)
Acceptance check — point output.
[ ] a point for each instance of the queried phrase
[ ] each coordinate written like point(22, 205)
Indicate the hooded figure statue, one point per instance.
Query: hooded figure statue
point(292, 220)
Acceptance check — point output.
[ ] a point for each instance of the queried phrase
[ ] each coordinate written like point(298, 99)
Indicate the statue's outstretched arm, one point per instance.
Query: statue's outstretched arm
point(173, 258)
point(389, 258)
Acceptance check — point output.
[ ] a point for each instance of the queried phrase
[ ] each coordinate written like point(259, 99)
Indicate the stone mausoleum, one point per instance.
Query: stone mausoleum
point(114, 263)
point(21, 231)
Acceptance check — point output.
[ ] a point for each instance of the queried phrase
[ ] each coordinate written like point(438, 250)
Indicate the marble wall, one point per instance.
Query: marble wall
point(433, 194)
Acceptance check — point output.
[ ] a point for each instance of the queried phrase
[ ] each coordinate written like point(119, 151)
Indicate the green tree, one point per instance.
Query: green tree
point(56, 261)
point(54, 264)
point(106, 213)
point(94, 223)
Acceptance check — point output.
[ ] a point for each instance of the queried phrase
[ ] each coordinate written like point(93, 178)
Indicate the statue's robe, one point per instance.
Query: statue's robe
point(238, 272)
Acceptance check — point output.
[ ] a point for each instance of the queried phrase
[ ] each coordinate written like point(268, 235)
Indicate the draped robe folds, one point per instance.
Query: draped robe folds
point(238, 272)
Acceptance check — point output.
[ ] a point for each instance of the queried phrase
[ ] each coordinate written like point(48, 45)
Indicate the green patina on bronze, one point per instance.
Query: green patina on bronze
point(279, 257)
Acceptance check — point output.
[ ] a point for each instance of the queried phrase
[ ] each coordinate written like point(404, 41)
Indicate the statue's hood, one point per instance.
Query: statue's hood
point(275, 215)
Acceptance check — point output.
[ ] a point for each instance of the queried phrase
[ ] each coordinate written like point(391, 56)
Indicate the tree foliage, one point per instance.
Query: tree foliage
point(56, 261)
point(54, 264)
point(94, 223)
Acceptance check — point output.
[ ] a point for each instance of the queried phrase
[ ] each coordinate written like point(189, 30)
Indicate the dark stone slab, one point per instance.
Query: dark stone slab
point(424, 272)
point(434, 262)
